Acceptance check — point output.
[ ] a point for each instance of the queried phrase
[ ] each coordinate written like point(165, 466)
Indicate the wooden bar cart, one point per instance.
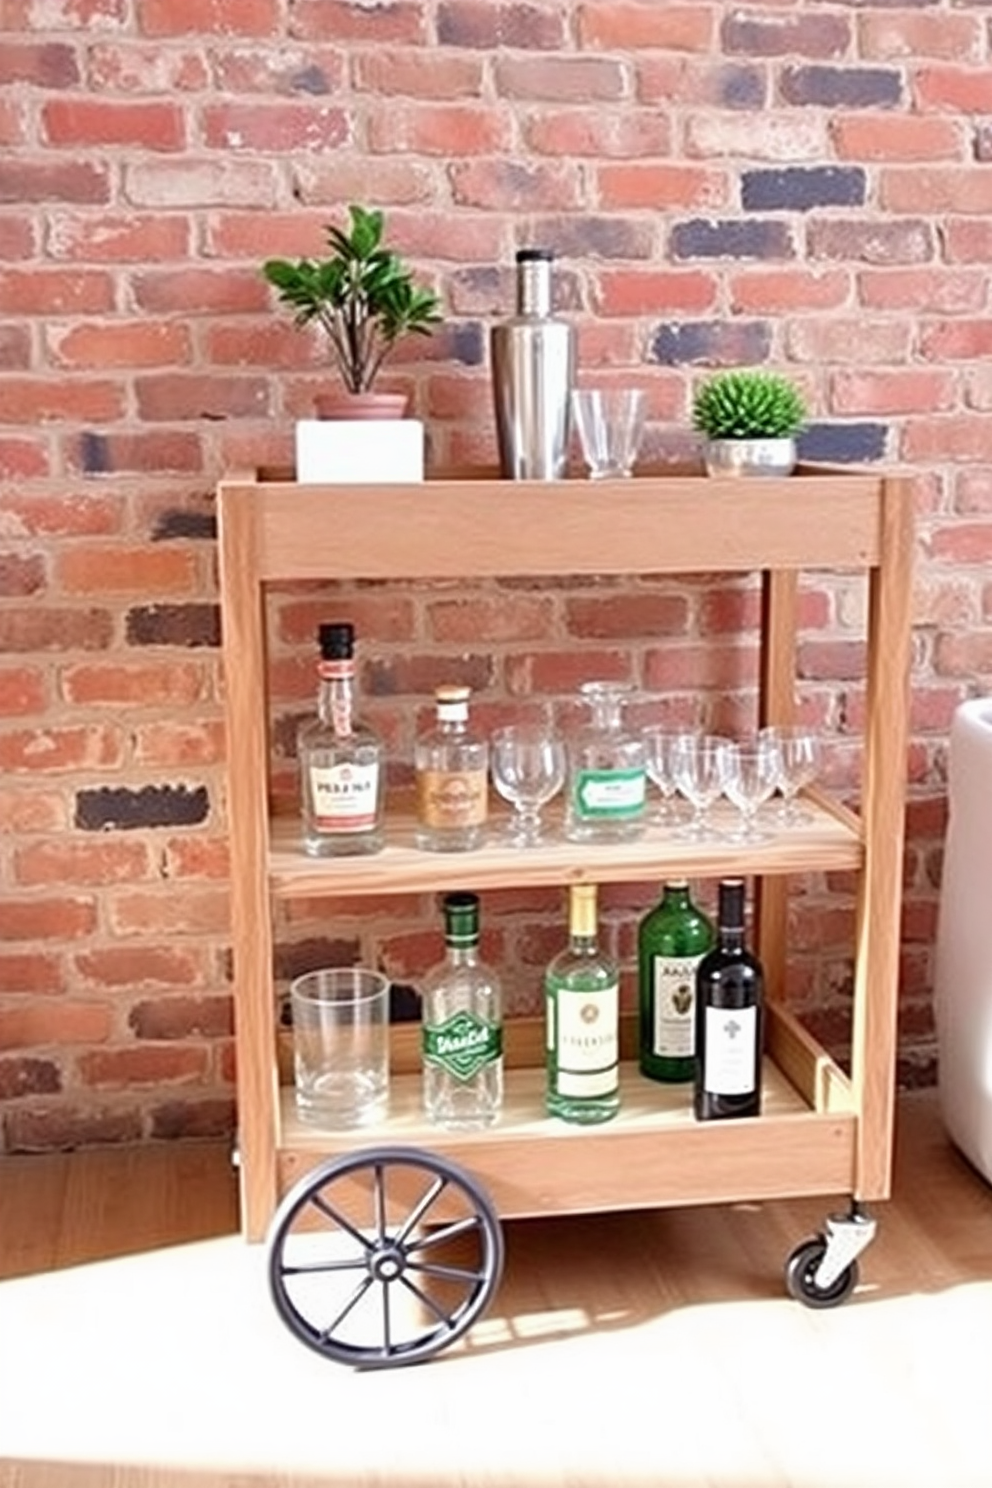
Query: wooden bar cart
point(407, 1196)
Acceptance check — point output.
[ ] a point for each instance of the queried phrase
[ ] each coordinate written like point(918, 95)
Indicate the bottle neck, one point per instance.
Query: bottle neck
point(675, 894)
point(336, 695)
point(462, 952)
point(534, 288)
point(582, 920)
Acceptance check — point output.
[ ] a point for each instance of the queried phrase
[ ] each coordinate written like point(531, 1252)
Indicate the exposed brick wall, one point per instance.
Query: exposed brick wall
point(803, 186)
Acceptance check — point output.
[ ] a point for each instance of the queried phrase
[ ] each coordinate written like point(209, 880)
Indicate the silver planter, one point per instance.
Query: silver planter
point(750, 456)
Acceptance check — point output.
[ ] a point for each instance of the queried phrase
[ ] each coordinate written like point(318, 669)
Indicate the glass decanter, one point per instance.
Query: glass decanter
point(606, 771)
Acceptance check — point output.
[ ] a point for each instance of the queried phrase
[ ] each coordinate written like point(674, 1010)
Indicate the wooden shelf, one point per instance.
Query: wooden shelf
point(653, 1152)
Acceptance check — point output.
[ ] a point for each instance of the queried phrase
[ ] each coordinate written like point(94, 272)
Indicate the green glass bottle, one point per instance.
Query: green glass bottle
point(672, 939)
point(582, 1001)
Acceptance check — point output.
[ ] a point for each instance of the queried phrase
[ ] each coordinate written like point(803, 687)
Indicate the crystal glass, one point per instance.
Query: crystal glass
point(799, 755)
point(699, 768)
point(606, 777)
point(527, 761)
point(610, 422)
point(751, 779)
point(658, 761)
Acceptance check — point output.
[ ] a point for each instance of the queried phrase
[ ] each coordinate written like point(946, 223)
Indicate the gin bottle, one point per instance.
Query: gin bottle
point(672, 939)
point(729, 993)
point(462, 1026)
point(342, 766)
point(607, 777)
point(452, 766)
point(582, 1002)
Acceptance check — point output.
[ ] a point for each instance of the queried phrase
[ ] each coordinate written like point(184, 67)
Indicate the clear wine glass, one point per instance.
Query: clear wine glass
point(527, 761)
point(699, 768)
point(658, 760)
point(798, 750)
point(753, 773)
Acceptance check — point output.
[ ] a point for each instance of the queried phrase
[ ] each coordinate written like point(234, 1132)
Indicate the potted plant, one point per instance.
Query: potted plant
point(749, 420)
point(362, 296)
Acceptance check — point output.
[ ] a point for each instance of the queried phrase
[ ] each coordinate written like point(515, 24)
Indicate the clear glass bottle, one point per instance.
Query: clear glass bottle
point(582, 1004)
point(342, 763)
point(729, 995)
point(451, 762)
point(462, 1025)
point(607, 784)
point(672, 939)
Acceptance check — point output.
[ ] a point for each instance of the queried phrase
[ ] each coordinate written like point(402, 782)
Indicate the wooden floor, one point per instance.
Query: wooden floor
point(139, 1349)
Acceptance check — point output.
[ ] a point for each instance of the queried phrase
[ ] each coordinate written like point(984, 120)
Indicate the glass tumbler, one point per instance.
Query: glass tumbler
point(610, 422)
point(341, 1046)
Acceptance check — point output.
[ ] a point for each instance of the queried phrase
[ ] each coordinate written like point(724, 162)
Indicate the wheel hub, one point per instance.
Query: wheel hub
point(387, 1261)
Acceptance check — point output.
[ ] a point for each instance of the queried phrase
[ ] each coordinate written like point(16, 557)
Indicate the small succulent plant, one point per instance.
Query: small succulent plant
point(748, 405)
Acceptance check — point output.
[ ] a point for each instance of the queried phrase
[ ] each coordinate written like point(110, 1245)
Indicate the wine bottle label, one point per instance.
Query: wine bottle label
point(673, 1032)
point(583, 1035)
point(610, 795)
point(729, 1050)
point(463, 1044)
point(448, 798)
point(344, 796)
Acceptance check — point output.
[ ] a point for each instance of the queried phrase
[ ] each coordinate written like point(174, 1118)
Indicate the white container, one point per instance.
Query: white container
point(359, 451)
point(963, 965)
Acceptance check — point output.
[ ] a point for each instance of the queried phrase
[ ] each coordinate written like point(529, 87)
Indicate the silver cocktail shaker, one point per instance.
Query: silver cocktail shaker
point(533, 368)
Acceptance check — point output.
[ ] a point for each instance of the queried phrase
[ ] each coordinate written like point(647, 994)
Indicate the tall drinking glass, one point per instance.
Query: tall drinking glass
point(610, 422)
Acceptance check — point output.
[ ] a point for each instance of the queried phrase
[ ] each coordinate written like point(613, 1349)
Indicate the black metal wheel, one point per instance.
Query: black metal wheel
point(800, 1276)
point(384, 1257)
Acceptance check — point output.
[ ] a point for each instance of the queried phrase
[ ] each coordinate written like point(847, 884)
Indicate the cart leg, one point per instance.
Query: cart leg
point(824, 1271)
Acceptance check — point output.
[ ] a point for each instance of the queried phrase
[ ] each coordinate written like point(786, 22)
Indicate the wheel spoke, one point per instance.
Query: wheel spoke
point(387, 1340)
point(428, 1301)
point(447, 1273)
point(352, 1301)
point(421, 1208)
point(328, 1210)
point(438, 1237)
point(315, 1267)
point(380, 1200)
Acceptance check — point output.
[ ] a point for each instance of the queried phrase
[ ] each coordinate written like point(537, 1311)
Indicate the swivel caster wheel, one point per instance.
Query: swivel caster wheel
point(823, 1272)
point(384, 1257)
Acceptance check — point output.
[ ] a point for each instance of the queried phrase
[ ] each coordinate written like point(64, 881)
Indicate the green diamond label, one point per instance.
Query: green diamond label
point(463, 1044)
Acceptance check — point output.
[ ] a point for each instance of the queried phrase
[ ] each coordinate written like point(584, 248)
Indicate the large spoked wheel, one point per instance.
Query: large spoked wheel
point(800, 1277)
point(384, 1257)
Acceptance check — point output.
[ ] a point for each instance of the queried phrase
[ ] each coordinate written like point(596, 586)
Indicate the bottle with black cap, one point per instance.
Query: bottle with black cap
point(729, 995)
point(342, 768)
point(533, 371)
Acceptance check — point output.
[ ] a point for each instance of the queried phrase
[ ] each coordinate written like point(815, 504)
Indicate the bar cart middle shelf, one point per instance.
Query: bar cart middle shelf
point(822, 1131)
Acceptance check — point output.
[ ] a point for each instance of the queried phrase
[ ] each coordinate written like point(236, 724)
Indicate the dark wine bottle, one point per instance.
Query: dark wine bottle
point(672, 939)
point(729, 993)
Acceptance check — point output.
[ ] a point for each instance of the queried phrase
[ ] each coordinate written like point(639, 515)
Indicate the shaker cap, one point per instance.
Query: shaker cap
point(534, 255)
point(336, 640)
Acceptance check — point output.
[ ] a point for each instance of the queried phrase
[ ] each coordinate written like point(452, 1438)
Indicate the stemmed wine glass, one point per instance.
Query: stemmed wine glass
point(798, 751)
point(699, 768)
point(753, 773)
point(527, 761)
point(658, 759)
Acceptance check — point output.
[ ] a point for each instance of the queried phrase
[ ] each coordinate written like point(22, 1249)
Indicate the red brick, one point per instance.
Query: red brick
point(274, 126)
point(87, 747)
point(197, 183)
point(284, 70)
point(428, 129)
point(502, 617)
point(31, 971)
point(25, 180)
point(164, 18)
point(144, 1065)
point(946, 440)
point(647, 185)
point(88, 122)
point(23, 810)
point(169, 911)
point(963, 542)
point(44, 64)
point(45, 399)
point(956, 340)
point(17, 238)
point(39, 1129)
point(630, 614)
point(414, 73)
point(384, 615)
point(118, 238)
point(197, 857)
point(913, 34)
point(759, 291)
point(20, 458)
point(968, 241)
point(785, 137)
point(175, 1017)
point(23, 1077)
point(57, 1021)
point(201, 291)
point(180, 684)
point(193, 1118)
point(169, 397)
point(639, 27)
point(933, 191)
point(162, 452)
point(579, 79)
point(515, 185)
point(56, 291)
point(577, 131)
point(136, 966)
point(397, 182)
point(516, 26)
point(562, 672)
point(951, 291)
point(37, 629)
point(468, 399)
point(47, 919)
point(831, 660)
point(905, 391)
point(129, 67)
point(178, 743)
point(876, 136)
point(932, 709)
point(729, 609)
point(22, 690)
point(337, 20)
point(700, 667)
point(126, 570)
point(121, 344)
point(100, 862)
point(814, 340)
point(958, 89)
point(15, 347)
